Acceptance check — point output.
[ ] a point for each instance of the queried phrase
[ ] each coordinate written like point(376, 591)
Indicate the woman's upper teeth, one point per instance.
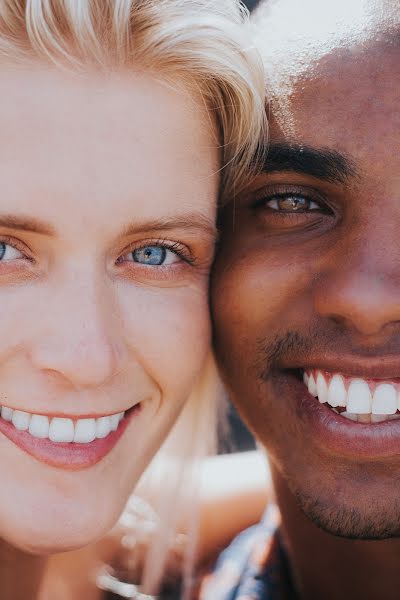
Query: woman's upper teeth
point(356, 395)
point(59, 429)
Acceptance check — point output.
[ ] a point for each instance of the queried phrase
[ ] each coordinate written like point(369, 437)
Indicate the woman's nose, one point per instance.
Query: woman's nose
point(80, 339)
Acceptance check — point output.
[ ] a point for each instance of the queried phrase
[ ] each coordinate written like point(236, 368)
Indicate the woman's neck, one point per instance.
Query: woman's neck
point(20, 573)
point(67, 576)
point(72, 575)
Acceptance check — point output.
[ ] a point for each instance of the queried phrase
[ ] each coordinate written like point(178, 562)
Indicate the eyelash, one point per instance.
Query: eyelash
point(268, 194)
point(176, 247)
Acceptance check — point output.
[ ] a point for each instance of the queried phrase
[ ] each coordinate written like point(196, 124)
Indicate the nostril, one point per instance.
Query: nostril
point(360, 310)
point(338, 320)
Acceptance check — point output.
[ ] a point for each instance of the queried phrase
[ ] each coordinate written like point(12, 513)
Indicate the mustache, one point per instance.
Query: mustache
point(271, 352)
point(296, 347)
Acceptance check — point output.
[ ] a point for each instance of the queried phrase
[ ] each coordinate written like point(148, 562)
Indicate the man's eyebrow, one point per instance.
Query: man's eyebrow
point(29, 224)
point(190, 222)
point(322, 163)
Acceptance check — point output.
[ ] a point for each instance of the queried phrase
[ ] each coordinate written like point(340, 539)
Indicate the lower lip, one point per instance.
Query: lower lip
point(69, 456)
point(341, 436)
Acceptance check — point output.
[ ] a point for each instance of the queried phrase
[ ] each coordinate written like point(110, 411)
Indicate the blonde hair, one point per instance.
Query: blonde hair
point(204, 45)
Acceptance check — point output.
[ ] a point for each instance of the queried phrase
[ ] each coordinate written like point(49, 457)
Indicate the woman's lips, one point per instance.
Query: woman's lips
point(67, 455)
point(338, 435)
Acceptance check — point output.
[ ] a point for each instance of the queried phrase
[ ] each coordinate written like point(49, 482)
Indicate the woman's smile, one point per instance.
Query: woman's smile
point(64, 442)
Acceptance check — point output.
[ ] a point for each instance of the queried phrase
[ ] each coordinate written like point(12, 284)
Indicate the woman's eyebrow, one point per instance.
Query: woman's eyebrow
point(323, 163)
point(191, 221)
point(29, 224)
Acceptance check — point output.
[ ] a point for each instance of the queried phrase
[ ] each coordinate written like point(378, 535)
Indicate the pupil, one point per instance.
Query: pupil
point(151, 255)
point(293, 203)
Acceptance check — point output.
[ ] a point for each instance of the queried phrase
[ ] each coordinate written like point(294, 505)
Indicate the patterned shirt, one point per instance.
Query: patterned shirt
point(253, 567)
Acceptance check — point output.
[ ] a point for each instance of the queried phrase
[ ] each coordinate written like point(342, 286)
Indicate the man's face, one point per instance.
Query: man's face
point(307, 284)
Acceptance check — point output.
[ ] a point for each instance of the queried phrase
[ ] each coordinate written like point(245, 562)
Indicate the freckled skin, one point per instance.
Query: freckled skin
point(332, 278)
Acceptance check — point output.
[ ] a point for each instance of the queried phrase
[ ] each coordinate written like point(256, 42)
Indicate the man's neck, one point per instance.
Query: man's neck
point(20, 573)
point(333, 568)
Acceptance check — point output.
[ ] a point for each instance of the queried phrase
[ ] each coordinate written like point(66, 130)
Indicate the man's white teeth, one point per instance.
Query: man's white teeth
point(384, 401)
point(312, 386)
point(336, 392)
point(359, 399)
point(59, 429)
point(362, 401)
point(322, 388)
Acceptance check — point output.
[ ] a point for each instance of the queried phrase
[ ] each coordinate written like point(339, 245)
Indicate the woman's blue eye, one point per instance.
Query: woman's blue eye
point(154, 256)
point(8, 252)
point(150, 255)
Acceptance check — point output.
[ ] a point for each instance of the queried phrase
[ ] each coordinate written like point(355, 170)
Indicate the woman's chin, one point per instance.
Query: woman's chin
point(50, 531)
point(46, 547)
point(53, 541)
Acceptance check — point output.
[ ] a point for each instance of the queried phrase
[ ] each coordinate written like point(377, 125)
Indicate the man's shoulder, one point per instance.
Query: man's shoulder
point(251, 566)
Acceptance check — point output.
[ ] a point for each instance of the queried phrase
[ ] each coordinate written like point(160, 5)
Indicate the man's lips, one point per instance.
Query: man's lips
point(379, 367)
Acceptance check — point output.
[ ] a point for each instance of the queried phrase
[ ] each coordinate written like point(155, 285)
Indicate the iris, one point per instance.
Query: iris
point(150, 255)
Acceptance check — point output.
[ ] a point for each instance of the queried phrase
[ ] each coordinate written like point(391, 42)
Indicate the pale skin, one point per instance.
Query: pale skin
point(90, 174)
point(233, 492)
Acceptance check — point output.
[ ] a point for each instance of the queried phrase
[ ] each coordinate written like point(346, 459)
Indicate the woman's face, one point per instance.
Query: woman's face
point(108, 191)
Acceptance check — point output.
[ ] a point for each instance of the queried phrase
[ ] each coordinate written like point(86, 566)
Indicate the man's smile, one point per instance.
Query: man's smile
point(358, 399)
point(352, 429)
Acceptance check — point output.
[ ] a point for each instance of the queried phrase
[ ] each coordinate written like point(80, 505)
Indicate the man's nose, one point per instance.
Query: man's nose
point(80, 341)
point(360, 285)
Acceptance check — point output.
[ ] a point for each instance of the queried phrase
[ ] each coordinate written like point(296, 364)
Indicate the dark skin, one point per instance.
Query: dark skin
point(308, 277)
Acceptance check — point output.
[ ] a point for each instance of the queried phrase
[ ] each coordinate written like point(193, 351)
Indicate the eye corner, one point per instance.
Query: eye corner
point(11, 249)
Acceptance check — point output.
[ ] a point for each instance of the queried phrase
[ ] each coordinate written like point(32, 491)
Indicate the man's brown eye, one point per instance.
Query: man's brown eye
point(291, 203)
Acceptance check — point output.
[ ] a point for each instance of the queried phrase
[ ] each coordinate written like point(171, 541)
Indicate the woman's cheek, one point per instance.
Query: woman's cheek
point(169, 331)
point(19, 313)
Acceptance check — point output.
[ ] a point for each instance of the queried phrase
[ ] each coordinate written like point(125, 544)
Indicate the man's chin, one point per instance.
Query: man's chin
point(352, 522)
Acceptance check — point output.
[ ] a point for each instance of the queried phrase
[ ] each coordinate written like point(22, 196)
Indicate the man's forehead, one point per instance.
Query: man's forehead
point(311, 42)
point(294, 35)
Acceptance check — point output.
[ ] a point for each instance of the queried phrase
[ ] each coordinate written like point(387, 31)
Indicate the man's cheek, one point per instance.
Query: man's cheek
point(252, 294)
